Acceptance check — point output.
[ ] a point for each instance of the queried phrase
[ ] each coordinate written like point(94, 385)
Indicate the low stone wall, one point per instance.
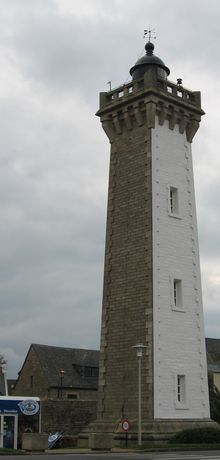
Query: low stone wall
point(35, 441)
point(68, 417)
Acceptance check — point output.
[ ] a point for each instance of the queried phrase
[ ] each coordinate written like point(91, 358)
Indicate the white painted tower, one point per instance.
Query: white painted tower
point(152, 288)
point(180, 369)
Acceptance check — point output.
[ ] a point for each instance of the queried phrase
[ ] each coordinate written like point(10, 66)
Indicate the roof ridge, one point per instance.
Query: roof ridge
point(36, 345)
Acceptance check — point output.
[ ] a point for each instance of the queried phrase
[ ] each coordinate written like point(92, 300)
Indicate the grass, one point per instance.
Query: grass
point(153, 447)
point(4, 451)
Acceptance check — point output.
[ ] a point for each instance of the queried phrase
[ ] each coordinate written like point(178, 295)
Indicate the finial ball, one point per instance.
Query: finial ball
point(149, 47)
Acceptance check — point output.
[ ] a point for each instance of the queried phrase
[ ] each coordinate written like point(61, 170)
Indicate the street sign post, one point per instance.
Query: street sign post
point(125, 424)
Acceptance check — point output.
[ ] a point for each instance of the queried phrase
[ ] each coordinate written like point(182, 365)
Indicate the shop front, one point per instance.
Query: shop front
point(18, 415)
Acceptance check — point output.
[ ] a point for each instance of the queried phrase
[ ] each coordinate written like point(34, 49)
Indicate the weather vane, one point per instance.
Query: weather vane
point(150, 33)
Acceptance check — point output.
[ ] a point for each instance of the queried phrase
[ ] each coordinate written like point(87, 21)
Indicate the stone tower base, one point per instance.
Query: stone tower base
point(104, 434)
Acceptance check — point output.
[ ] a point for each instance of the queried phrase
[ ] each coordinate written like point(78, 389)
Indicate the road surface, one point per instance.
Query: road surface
point(199, 455)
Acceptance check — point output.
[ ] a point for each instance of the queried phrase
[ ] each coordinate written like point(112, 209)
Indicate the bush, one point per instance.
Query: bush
point(197, 436)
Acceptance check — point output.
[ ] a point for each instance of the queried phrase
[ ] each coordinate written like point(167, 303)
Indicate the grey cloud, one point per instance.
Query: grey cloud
point(63, 52)
point(54, 156)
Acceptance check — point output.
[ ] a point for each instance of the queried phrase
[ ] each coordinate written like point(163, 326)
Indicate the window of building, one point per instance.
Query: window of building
point(173, 201)
point(91, 371)
point(87, 371)
point(177, 293)
point(181, 389)
point(72, 396)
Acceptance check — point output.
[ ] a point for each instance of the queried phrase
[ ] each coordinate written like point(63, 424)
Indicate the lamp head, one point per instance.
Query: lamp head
point(139, 347)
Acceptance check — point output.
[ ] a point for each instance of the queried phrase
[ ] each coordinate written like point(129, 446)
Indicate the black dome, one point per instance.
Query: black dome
point(147, 62)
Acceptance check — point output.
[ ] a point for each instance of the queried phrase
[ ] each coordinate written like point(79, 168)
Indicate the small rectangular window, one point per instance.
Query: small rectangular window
point(177, 293)
point(72, 396)
point(31, 381)
point(181, 389)
point(173, 197)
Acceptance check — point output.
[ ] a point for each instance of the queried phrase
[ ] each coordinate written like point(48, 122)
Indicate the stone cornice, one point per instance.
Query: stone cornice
point(116, 104)
point(136, 104)
point(144, 111)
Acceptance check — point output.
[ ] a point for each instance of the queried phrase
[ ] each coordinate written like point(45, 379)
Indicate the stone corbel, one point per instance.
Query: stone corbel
point(108, 127)
point(162, 115)
point(127, 119)
point(191, 129)
point(138, 115)
point(151, 114)
point(182, 123)
point(116, 123)
point(172, 119)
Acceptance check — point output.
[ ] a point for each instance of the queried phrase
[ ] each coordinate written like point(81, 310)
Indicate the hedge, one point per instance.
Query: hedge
point(197, 436)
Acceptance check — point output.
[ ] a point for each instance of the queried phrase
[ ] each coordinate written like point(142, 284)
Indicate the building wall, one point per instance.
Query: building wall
point(89, 395)
point(69, 417)
point(179, 342)
point(26, 386)
point(216, 380)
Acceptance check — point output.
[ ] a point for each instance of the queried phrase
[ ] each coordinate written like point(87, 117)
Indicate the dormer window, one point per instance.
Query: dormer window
point(87, 371)
point(91, 371)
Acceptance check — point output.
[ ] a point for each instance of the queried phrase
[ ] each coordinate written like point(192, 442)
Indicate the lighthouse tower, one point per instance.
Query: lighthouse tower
point(152, 288)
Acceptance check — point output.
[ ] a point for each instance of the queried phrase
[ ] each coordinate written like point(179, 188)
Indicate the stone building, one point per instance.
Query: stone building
point(59, 373)
point(213, 361)
point(152, 288)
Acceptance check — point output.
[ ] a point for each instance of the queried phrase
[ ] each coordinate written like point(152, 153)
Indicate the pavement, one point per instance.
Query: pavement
point(87, 451)
point(118, 450)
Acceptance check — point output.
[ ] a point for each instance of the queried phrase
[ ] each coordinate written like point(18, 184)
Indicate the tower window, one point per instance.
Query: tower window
point(31, 381)
point(177, 293)
point(173, 201)
point(181, 389)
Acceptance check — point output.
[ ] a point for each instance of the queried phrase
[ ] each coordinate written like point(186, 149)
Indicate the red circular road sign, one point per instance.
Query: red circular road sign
point(125, 425)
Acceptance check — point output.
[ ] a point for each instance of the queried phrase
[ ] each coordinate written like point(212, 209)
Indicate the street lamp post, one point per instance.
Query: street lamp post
point(139, 347)
point(4, 373)
point(62, 372)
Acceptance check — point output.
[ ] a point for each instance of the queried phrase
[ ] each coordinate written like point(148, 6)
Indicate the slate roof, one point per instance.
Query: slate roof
point(213, 354)
point(74, 361)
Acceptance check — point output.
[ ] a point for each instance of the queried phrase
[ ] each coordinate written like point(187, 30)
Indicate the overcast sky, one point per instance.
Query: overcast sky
point(55, 58)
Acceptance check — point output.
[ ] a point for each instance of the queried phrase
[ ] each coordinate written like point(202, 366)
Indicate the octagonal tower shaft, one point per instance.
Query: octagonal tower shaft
point(152, 290)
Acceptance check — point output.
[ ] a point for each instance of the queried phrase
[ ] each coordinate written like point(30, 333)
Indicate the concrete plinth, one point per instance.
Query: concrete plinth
point(35, 441)
point(104, 435)
point(100, 441)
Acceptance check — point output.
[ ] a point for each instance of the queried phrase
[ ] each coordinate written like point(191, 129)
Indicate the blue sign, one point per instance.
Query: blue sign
point(19, 406)
point(53, 438)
